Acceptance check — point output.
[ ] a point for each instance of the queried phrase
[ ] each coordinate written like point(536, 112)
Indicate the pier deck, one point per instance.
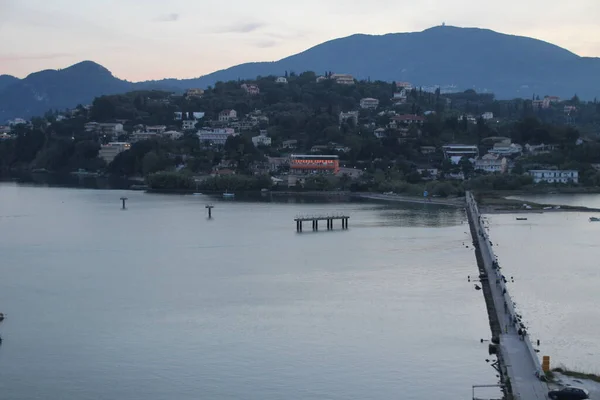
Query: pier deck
point(517, 356)
point(316, 218)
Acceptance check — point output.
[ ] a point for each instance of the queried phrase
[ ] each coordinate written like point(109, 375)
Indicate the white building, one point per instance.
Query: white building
point(189, 124)
point(156, 129)
point(215, 136)
point(540, 148)
point(350, 115)
point(400, 97)
point(227, 115)
point(458, 151)
point(492, 163)
point(173, 135)
point(194, 93)
point(262, 139)
point(407, 86)
point(554, 176)
point(487, 115)
point(141, 135)
point(281, 79)
point(343, 79)
point(503, 149)
point(369, 103)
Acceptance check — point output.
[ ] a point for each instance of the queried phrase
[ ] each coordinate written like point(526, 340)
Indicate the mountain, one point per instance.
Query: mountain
point(470, 58)
point(7, 80)
point(509, 66)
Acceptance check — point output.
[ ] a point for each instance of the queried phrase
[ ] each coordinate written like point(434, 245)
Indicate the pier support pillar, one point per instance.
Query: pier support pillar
point(316, 225)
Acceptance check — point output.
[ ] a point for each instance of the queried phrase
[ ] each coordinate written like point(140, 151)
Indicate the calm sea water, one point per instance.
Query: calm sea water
point(157, 302)
point(554, 258)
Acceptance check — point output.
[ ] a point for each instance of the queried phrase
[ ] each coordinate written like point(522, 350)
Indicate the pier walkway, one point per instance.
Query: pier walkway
point(517, 357)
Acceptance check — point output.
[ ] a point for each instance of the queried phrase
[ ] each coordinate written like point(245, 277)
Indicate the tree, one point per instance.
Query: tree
point(466, 167)
point(151, 163)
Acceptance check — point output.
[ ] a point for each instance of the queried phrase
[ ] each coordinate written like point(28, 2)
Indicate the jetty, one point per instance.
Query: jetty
point(314, 219)
point(518, 364)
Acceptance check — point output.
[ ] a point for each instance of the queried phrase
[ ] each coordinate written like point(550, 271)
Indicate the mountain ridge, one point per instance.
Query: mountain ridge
point(469, 58)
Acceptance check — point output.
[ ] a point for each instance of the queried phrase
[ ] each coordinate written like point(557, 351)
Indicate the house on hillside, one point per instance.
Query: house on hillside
point(455, 152)
point(251, 89)
point(369, 103)
point(189, 124)
point(289, 144)
point(408, 119)
point(492, 163)
point(281, 79)
point(156, 129)
point(508, 150)
point(554, 176)
point(541, 104)
point(380, 133)
point(427, 150)
point(262, 139)
point(400, 97)
point(406, 86)
point(349, 116)
point(343, 79)
point(227, 115)
point(215, 136)
point(190, 93)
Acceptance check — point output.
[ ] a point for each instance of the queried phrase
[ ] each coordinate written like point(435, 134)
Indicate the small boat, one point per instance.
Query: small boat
point(2, 316)
point(521, 219)
point(594, 219)
point(228, 195)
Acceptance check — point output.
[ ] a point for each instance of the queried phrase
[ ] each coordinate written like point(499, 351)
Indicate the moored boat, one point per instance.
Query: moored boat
point(594, 219)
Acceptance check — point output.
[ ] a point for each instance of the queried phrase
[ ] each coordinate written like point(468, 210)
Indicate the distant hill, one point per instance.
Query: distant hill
point(470, 58)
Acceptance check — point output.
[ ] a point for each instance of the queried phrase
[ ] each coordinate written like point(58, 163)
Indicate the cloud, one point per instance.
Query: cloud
point(242, 28)
point(263, 44)
point(34, 56)
point(167, 18)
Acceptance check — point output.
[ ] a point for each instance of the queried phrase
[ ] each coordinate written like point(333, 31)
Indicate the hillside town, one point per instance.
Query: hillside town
point(317, 132)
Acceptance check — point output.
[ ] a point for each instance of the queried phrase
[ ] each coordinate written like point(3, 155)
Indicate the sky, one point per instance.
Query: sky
point(154, 39)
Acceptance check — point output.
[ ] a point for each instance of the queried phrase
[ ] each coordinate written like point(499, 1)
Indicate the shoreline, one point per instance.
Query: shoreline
point(451, 202)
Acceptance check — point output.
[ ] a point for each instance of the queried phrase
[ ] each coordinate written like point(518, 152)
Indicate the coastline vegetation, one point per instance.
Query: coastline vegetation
point(577, 374)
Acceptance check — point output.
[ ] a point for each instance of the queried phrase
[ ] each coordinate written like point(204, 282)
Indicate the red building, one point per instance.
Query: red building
point(306, 164)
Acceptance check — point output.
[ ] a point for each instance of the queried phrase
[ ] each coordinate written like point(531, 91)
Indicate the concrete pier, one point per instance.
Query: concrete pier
point(314, 219)
point(519, 366)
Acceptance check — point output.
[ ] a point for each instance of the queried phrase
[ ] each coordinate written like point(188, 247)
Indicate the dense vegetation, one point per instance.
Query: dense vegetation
point(308, 112)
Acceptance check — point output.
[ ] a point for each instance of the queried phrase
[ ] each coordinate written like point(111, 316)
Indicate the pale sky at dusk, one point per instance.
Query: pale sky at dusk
point(154, 39)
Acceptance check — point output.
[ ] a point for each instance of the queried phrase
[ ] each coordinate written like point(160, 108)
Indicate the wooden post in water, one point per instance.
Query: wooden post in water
point(209, 208)
point(123, 199)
